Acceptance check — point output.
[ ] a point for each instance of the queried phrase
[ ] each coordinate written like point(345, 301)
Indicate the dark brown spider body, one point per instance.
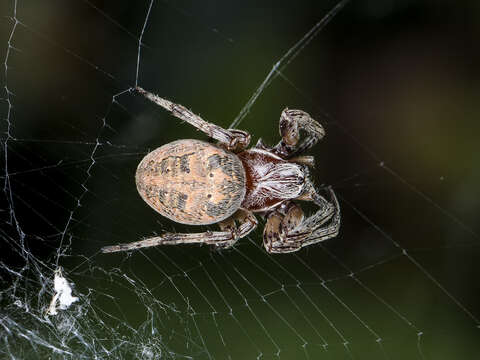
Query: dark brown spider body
point(192, 182)
point(270, 179)
point(198, 183)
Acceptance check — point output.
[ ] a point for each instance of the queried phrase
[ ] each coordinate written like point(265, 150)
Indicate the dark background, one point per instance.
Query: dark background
point(395, 84)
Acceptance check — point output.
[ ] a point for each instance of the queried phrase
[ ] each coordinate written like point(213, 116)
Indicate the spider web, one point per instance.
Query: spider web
point(400, 281)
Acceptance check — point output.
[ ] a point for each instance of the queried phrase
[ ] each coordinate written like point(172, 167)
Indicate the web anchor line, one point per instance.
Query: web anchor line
point(140, 41)
point(286, 59)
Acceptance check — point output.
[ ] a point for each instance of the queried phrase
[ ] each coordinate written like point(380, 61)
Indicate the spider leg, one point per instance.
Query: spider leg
point(234, 140)
point(246, 223)
point(221, 239)
point(329, 213)
point(291, 122)
point(280, 223)
point(282, 235)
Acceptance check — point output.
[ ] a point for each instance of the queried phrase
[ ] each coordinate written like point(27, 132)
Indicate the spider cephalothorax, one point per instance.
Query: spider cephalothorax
point(198, 183)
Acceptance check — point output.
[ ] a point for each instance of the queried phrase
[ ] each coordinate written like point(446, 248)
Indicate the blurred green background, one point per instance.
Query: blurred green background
point(395, 84)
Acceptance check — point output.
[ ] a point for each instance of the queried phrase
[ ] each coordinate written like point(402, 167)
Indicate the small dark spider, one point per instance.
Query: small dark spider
point(198, 183)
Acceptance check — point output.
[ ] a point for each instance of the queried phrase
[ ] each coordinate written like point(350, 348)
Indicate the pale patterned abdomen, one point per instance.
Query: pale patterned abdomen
point(192, 182)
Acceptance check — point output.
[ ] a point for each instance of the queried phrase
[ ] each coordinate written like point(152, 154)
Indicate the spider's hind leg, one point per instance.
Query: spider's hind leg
point(232, 139)
point(246, 223)
point(220, 239)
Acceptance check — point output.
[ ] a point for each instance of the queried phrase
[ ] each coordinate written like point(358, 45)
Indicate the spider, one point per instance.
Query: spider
point(199, 183)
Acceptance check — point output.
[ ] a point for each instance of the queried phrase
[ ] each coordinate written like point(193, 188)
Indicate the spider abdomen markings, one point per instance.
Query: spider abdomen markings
point(171, 165)
point(192, 182)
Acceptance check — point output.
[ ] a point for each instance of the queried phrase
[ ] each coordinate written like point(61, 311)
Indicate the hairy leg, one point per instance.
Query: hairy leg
point(291, 123)
point(221, 239)
point(288, 231)
point(279, 224)
point(233, 139)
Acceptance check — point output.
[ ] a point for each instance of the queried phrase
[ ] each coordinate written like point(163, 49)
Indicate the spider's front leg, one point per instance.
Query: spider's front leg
point(221, 239)
point(232, 139)
point(291, 123)
point(280, 223)
point(288, 231)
